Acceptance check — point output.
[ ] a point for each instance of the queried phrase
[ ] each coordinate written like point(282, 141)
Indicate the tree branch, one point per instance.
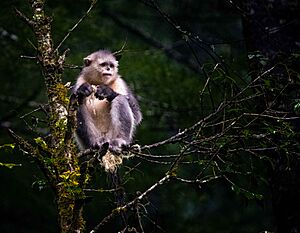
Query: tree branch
point(34, 152)
point(24, 18)
point(93, 3)
point(126, 207)
point(169, 51)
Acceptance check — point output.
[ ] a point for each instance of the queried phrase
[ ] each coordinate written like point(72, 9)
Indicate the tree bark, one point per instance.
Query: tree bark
point(56, 156)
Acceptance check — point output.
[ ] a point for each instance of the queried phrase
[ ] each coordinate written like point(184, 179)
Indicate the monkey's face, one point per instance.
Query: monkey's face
point(103, 68)
point(108, 69)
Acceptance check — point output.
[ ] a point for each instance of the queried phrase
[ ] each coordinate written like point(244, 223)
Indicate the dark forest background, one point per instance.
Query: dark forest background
point(183, 59)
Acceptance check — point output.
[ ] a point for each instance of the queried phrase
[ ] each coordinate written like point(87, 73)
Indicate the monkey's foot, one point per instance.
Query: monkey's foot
point(116, 145)
point(100, 144)
point(136, 148)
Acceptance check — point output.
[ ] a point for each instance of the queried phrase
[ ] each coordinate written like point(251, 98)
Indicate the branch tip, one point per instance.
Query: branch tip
point(23, 17)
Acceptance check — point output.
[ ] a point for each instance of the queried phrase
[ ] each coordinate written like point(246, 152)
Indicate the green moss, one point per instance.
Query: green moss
point(62, 94)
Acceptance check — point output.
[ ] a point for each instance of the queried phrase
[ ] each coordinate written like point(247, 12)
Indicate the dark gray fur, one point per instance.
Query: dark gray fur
point(102, 118)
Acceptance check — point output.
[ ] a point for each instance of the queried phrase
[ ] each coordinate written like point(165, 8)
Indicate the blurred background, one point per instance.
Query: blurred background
point(167, 77)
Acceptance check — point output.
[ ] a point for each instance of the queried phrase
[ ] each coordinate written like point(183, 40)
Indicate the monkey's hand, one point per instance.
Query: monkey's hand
point(83, 91)
point(105, 92)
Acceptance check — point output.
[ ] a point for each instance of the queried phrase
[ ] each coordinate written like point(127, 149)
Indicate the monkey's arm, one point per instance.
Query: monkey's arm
point(105, 92)
point(134, 105)
point(123, 123)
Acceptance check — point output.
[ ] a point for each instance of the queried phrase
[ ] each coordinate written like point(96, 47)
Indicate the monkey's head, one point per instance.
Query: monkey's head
point(101, 67)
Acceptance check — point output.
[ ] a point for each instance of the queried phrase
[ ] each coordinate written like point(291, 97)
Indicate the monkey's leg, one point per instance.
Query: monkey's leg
point(122, 123)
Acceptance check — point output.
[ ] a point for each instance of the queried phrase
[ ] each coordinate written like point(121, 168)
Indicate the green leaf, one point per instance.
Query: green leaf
point(7, 147)
point(10, 165)
point(297, 106)
point(236, 189)
point(41, 143)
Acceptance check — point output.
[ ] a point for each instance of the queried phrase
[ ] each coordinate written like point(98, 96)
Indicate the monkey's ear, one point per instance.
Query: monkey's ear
point(87, 61)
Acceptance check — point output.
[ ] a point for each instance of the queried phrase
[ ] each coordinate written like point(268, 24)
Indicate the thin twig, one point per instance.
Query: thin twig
point(272, 117)
point(24, 18)
point(130, 204)
point(28, 57)
point(196, 181)
point(93, 3)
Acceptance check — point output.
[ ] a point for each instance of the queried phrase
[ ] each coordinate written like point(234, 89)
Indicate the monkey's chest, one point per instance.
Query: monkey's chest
point(99, 111)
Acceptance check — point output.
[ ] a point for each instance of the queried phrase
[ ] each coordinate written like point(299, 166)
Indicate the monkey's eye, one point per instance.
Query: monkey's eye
point(103, 64)
point(111, 65)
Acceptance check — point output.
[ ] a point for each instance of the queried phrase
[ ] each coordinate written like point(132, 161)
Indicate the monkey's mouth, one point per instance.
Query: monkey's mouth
point(106, 74)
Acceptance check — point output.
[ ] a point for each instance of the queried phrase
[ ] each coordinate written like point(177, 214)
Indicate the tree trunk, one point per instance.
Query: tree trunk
point(56, 156)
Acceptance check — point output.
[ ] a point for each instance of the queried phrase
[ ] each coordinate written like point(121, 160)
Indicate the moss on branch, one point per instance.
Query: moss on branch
point(57, 156)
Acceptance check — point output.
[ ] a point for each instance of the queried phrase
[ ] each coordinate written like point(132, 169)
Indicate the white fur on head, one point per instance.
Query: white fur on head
point(102, 55)
point(101, 67)
point(87, 61)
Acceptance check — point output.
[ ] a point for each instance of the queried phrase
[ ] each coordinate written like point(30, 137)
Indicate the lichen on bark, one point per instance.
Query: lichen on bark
point(56, 156)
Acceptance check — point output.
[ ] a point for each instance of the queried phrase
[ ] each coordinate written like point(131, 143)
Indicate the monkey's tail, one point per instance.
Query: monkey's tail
point(119, 194)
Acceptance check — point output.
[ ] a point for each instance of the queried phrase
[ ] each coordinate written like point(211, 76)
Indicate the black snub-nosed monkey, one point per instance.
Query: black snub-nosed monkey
point(108, 111)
